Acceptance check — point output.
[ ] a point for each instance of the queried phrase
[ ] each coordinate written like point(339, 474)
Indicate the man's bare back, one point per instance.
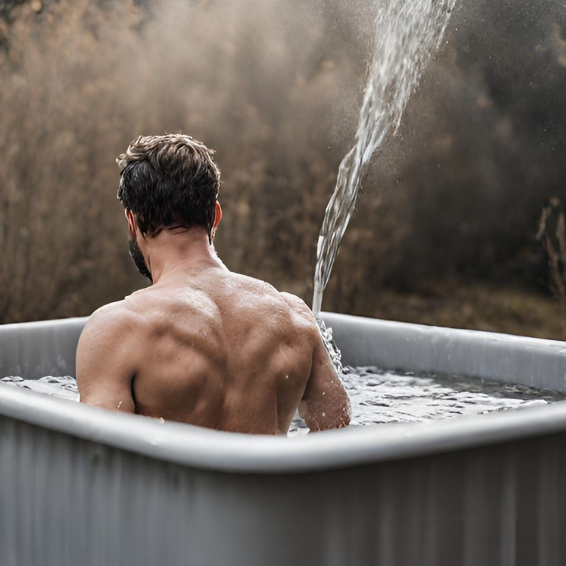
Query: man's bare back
point(222, 351)
point(202, 345)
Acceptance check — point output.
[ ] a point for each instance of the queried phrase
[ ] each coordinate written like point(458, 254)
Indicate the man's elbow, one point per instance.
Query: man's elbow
point(120, 403)
point(339, 419)
point(345, 415)
point(342, 413)
point(319, 417)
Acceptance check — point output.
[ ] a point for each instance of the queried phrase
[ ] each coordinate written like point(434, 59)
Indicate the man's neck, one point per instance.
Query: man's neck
point(178, 253)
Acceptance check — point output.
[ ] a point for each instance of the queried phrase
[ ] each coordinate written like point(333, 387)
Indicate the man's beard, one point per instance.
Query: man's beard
point(138, 259)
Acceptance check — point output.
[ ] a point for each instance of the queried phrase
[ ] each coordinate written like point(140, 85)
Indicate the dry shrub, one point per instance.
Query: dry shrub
point(81, 79)
point(56, 226)
point(275, 88)
point(552, 234)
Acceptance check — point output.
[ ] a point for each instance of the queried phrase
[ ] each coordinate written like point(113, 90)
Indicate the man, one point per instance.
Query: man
point(202, 345)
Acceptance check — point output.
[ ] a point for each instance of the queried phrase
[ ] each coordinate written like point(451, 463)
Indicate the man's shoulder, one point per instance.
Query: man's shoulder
point(113, 319)
point(302, 312)
point(296, 302)
point(264, 289)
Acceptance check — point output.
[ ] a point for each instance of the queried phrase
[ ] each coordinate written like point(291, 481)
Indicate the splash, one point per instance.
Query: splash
point(330, 345)
point(407, 34)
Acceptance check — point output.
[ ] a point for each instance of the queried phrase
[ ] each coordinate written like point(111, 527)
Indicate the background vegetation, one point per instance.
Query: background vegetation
point(445, 231)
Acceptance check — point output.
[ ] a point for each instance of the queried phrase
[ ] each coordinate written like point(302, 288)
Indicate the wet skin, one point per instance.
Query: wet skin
point(212, 348)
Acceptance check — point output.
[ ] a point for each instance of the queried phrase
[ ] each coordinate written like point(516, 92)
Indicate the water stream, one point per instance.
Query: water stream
point(407, 34)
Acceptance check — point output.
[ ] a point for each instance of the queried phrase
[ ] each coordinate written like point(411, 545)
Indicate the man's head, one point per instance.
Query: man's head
point(168, 181)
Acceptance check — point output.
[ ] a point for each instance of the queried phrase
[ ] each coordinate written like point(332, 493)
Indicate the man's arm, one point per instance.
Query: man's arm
point(105, 367)
point(325, 403)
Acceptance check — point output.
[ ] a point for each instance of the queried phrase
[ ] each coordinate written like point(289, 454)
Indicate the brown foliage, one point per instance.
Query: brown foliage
point(81, 79)
point(552, 234)
point(275, 88)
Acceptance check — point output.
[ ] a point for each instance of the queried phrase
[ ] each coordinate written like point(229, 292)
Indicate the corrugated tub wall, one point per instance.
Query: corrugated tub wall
point(81, 486)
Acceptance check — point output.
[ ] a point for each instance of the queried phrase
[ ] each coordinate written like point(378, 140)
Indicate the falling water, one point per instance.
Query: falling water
point(407, 33)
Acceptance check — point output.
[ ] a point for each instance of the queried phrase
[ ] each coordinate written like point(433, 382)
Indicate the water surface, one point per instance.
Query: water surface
point(380, 397)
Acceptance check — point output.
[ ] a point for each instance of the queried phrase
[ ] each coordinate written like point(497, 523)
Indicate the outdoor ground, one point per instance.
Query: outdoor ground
point(478, 307)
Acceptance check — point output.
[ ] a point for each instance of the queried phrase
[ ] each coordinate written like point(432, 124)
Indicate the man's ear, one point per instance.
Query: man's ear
point(132, 225)
point(217, 215)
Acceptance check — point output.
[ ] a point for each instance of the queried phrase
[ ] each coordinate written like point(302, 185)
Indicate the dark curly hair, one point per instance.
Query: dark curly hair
point(167, 181)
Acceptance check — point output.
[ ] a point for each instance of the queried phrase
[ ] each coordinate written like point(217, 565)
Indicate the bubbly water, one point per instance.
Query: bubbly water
point(64, 387)
point(407, 33)
point(377, 396)
point(381, 397)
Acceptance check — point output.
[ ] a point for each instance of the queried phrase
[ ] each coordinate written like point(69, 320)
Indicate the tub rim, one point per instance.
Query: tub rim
point(207, 449)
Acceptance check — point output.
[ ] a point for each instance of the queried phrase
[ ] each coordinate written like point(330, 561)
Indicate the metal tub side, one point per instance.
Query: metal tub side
point(80, 485)
point(448, 351)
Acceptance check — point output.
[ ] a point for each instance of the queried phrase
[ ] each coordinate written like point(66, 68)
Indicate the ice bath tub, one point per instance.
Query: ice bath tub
point(82, 487)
